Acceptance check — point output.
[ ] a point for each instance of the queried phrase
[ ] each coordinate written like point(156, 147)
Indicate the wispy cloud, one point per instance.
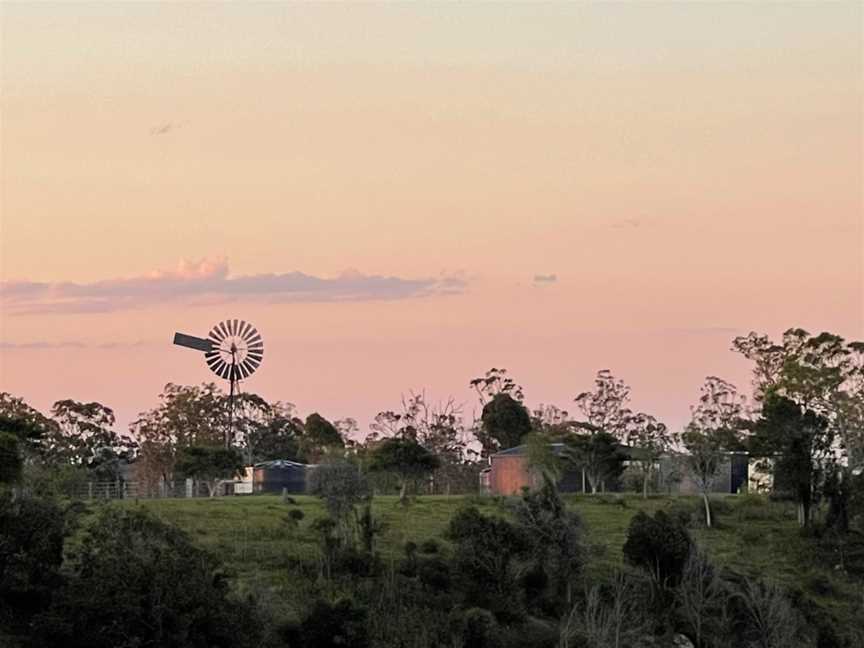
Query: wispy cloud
point(545, 278)
point(67, 344)
point(163, 128)
point(209, 282)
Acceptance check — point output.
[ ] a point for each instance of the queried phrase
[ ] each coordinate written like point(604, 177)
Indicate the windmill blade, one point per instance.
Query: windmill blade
point(225, 331)
point(192, 342)
point(236, 328)
point(245, 327)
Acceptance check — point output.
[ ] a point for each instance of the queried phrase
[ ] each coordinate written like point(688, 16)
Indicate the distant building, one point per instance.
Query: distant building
point(281, 475)
point(509, 473)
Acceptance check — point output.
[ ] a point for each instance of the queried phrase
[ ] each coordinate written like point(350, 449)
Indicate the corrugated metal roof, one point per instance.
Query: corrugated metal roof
point(282, 463)
point(557, 448)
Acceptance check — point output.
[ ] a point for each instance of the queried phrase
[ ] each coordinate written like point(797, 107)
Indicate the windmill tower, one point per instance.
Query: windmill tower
point(233, 350)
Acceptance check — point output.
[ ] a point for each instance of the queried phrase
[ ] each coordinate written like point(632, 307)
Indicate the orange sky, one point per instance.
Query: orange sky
point(685, 172)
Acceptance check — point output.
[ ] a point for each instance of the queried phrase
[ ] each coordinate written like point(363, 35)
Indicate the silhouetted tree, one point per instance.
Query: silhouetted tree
point(212, 465)
point(505, 421)
point(404, 458)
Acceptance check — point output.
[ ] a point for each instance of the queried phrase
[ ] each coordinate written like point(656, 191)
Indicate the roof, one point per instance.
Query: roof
point(557, 448)
point(281, 463)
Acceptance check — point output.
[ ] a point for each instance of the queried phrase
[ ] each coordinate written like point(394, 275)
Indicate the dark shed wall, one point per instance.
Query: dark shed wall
point(274, 479)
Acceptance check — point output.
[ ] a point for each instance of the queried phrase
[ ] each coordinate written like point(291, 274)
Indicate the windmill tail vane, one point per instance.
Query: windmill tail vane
point(233, 349)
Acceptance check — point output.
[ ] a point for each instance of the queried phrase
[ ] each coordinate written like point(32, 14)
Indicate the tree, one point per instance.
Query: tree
point(28, 424)
point(822, 373)
point(10, 458)
point(599, 455)
point(713, 430)
point(85, 436)
point(186, 416)
point(505, 421)
point(342, 487)
point(266, 431)
point(555, 535)
point(704, 457)
point(605, 408)
point(406, 459)
point(318, 435)
point(438, 427)
point(494, 382)
point(649, 439)
point(801, 442)
point(212, 465)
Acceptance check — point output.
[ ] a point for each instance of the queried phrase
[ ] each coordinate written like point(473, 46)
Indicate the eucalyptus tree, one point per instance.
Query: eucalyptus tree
point(714, 429)
point(649, 440)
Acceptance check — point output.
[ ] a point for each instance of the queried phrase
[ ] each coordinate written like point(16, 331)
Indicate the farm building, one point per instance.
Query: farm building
point(509, 472)
point(281, 475)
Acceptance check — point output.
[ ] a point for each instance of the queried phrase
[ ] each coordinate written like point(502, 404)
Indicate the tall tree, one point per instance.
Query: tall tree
point(404, 458)
point(319, 434)
point(599, 455)
point(266, 431)
point(494, 382)
point(85, 436)
point(212, 465)
point(714, 429)
point(186, 416)
point(505, 422)
point(605, 407)
point(802, 442)
point(648, 439)
point(604, 427)
point(30, 426)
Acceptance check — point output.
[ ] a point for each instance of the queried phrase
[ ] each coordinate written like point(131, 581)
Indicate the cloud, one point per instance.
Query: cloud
point(545, 278)
point(42, 345)
point(163, 128)
point(209, 282)
point(68, 344)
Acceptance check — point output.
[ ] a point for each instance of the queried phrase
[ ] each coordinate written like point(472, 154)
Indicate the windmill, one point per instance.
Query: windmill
point(233, 350)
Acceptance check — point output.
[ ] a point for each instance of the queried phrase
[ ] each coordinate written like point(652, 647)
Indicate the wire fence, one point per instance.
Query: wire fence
point(119, 489)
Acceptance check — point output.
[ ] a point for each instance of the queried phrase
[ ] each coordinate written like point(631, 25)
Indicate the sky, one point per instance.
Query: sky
point(401, 196)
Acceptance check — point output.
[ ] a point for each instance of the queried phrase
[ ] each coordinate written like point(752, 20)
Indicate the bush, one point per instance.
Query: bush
point(31, 552)
point(429, 546)
point(136, 581)
point(335, 625)
point(475, 627)
point(660, 545)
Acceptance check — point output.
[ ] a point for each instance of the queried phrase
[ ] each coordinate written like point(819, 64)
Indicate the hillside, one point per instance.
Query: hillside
point(261, 547)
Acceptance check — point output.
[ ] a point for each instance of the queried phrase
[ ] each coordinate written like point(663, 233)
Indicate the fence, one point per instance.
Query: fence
point(96, 490)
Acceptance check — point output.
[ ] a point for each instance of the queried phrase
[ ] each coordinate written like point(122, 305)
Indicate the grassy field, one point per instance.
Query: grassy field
point(252, 535)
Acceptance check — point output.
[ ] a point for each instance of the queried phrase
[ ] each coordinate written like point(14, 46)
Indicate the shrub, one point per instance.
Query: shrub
point(475, 627)
point(31, 552)
point(136, 581)
point(335, 625)
point(429, 546)
point(660, 545)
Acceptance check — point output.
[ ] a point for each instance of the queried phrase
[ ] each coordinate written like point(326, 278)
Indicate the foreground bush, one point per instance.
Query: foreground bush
point(136, 581)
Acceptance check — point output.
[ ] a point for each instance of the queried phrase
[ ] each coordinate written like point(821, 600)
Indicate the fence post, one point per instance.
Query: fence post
point(89, 490)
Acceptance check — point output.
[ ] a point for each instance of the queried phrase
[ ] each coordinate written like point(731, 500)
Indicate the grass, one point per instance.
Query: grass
point(753, 536)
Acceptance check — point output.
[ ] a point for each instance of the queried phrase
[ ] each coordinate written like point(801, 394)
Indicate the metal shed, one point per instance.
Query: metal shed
point(281, 475)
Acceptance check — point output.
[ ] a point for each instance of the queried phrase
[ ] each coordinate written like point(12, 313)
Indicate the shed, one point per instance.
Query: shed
point(509, 472)
point(281, 475)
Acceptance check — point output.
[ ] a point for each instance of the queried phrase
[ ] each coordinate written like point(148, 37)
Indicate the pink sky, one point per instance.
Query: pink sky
point(379, 188)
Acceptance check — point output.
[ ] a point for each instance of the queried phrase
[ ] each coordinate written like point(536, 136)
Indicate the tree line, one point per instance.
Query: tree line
point(805, 417)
